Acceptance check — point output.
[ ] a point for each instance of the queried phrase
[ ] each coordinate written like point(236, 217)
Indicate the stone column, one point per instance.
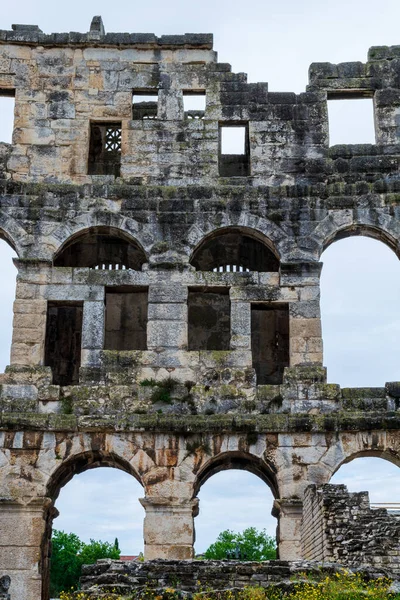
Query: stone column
point(169, 527)
point(305, 317)
point(167, 303)
point(289, 513)
point(93, 324)
point(240, 324)
point(22, 528)
point(30, 308)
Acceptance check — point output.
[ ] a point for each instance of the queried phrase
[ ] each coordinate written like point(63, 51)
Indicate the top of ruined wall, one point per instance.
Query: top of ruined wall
point(33, 35)
point(64, 81)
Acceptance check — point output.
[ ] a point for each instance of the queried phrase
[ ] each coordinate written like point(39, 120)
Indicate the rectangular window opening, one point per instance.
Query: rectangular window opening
point(209, 319)
point(351, 120)
point(105, 148)
point(234, 150)
point(126, 318)
point(63, 341)
point(144, 104)
point(7, 104)
point(270, 342)
point(194, 104)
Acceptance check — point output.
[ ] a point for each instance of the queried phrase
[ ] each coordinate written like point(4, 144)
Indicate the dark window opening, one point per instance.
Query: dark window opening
point(105, 149)
point(126, 318)
point(270, 341)
point(351, 118)
point(234, 150)
point(7, 104)
point(101, 250)
point(63, 341)
point(144, 104)
point(194, 104)
point(234, 251)
point(209, 319)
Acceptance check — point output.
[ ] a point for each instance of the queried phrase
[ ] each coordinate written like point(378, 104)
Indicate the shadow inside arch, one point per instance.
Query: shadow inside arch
point(99, 247)
point(235, 248)
point(238, 460)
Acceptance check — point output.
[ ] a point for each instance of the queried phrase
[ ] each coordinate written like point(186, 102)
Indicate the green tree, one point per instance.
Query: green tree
point(69, 553)
point(252, 545)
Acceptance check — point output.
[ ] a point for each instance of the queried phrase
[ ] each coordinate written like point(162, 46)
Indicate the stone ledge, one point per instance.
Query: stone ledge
point(32, 35)
point(277, 423)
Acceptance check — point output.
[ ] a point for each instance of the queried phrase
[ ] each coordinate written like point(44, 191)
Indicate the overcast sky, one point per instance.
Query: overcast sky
point(274, 42)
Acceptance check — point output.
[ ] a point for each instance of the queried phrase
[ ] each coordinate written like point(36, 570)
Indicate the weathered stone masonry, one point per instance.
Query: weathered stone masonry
point(167, 317)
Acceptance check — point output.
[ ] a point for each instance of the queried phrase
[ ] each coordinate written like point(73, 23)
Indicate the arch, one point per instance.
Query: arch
point(367, 231)
point(101, 247)
point(12, 233)
point(60, 477)
point(82, 462)
point(391, 456)
point(235, 249)
point(359, 307)
point(368, 223)
point(266, 471)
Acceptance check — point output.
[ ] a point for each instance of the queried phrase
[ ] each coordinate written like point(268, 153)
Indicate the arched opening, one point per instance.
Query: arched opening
point(7, 296)
point(233, 249)
point(236, 492)
point(94, 504)
point(101, 248)
point(360, 299)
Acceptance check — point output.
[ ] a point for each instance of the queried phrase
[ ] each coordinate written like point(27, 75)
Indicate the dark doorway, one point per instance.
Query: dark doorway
point(270, 341)
point(126, 318)
point(209, 317)
point(63, 341)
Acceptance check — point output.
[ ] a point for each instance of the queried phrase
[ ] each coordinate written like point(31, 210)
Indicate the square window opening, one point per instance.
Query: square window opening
point(105, 149)
point(351, 121)
point(126, 318)
point(233, 139)
point(7, 104)
point(270, 342)
point(234, 150)
point(144, 104)
point(209, 319)
point(194, 104)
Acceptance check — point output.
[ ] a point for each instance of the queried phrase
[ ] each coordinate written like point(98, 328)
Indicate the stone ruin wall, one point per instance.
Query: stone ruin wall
point(232, 358)
point(192, 577)
point(341, 527)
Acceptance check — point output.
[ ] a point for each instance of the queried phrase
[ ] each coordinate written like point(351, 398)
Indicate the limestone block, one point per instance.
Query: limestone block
point(305, 328)
point(23, 353)
point(167, 294)
point(168, 312)
point(33, 308)
point(241, 318)
point(74, 292)
point(93, 325)
point(160, 334)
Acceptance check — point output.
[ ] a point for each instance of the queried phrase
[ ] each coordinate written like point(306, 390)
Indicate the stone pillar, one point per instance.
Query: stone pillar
point(305, 315)
point(30, 308)
point(289, 513)
point(169, 527)
point(22, 529)
point(240, 324)
point(93, 324)
point(167, 303)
